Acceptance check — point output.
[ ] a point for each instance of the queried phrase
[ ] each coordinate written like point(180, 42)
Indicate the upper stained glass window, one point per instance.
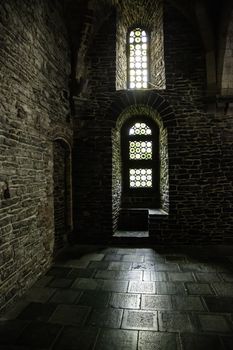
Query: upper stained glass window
point(138, 59)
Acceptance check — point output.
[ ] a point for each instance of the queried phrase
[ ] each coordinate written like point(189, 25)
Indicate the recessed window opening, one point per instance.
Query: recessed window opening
point(140, 158)
point(140, 150)
point(138, 59)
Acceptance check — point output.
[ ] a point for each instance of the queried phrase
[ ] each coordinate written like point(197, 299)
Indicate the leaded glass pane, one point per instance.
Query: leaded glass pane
point(140, 150)
point(140, 178)
point(138, 61)
point(140, 129)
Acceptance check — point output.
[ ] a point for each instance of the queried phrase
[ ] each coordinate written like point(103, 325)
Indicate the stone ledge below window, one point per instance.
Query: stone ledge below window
point(157, 212)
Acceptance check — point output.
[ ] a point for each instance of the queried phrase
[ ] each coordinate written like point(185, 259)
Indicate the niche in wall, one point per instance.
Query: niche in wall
point(62, 193)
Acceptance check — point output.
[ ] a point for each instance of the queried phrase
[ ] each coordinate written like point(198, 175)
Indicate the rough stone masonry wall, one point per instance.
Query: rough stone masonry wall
point(199, 147)
point(34, 69)
point(200, 151)
point(96, 193)
point(157, 65)
point(92, 158)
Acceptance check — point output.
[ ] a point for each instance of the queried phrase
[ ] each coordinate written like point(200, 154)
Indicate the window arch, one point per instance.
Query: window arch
point(140, 158)
point(138, 65)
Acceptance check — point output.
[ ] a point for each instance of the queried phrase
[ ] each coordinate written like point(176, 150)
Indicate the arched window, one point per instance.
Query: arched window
point(137, 59)
point(140, 158)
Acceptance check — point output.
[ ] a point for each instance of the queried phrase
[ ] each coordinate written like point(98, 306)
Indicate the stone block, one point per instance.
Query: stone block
point(77, 338)
point(157, 340)
point(174, 322)
point(106, 318)
point(125, 301)
point(94, 298)
point(70, 314)
point(156, 302)
point(214, 323)
point(117, 339)
point(140, 320)
point(141, 287)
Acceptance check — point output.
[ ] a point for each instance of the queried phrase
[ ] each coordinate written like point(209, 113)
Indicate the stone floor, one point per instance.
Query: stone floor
point(128, 298)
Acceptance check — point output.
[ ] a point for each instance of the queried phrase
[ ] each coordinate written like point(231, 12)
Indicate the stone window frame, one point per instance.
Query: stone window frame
point(148, 34)
point(154, 163)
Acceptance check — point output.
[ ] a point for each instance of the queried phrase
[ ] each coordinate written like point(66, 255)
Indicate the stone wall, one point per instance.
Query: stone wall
point(157, 64)
point(34, 69)
point(92, 162)
point(196, 189)
point(184, 61)
point(201, 191)
point(95, 156)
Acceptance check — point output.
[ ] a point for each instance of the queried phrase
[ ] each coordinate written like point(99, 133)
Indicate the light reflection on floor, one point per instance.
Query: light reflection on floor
point(168, 298)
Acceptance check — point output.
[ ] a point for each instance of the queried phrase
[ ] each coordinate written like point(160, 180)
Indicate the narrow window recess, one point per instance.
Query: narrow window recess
point(138, 59)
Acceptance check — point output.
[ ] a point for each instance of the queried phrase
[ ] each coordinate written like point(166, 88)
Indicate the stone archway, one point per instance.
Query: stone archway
point(154, 107)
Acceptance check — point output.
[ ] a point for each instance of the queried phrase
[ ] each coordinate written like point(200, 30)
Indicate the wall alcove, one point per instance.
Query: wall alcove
point(62, 193)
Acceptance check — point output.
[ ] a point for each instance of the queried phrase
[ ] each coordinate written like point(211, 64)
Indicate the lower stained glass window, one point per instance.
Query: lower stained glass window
point(140, 178)
point(140, 159)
